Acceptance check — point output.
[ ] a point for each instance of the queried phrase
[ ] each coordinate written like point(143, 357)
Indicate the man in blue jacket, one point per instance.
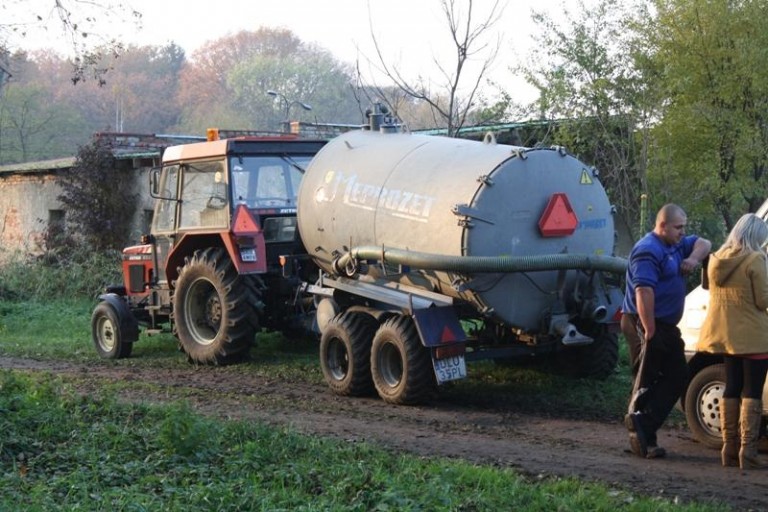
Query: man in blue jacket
point(654, 300)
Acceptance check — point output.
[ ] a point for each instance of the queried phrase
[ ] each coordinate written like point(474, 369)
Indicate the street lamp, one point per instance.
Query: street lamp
point(288, 103)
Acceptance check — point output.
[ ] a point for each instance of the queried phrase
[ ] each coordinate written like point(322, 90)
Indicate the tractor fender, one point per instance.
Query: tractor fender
point(129, 326)
point(189, 243)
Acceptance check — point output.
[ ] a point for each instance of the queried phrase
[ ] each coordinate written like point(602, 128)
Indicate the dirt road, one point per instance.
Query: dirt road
point(487, 433)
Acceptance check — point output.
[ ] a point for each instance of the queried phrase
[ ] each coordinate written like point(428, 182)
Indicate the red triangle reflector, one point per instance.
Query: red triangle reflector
point(244, 222)
point(447, 335)
point(558, 219)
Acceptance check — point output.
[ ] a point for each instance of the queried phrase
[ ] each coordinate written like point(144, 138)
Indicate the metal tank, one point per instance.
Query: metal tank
point(498, 226)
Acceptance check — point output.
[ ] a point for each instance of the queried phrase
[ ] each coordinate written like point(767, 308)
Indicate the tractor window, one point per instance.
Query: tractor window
point(165, 209)
point(204, 196)
point(270, 187)
point(295, 177)
point(262, 182)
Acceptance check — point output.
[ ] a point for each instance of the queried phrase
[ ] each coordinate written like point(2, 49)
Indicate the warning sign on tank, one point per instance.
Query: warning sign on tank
point(586, 179)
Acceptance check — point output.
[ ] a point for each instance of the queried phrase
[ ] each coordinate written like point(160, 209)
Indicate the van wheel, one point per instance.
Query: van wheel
point(702, 405)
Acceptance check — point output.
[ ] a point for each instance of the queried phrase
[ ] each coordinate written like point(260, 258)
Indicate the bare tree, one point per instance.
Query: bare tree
point(77, 21)
point(450, 102)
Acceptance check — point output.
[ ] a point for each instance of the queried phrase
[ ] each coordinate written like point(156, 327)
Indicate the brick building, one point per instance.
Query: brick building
point(29, 203)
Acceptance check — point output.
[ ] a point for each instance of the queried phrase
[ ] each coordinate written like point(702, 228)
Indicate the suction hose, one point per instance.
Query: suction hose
point(427, 261)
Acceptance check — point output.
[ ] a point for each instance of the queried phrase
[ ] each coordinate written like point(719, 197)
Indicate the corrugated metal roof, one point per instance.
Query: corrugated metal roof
point(44, 166)
point(124, 147)
point(485, 127)
point(39, 166)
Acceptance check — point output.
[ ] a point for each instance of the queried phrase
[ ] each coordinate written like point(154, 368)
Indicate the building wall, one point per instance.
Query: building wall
point(26, 203)
point(29, 191)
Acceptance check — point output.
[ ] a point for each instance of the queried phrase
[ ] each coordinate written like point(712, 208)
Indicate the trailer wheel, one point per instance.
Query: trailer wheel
point(345, 353)
point(400, 365)
point(597, 360)
point(214, 308)
point(702, 405)
point(107, 336)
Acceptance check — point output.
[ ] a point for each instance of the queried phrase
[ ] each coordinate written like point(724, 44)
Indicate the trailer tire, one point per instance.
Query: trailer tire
point(107, 333)
point(702, 405)
point(597, 360)
point(345, 353)
point(213, 308)
point(400, 365)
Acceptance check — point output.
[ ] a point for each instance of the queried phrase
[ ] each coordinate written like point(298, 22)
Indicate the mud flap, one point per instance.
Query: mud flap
point(438, 326)
point(440, 330)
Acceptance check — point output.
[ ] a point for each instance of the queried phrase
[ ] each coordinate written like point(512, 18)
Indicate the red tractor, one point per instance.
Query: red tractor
point(223, 258)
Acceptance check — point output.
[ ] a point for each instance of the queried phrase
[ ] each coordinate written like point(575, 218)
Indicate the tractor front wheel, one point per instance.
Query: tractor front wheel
point(107, 335)
point(214, 308)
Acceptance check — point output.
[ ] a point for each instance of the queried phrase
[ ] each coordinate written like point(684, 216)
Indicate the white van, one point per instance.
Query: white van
point(701, 399)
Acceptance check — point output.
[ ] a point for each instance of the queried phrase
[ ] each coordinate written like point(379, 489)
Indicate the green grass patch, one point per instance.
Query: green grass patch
point(64, 451)
point(55, 329)
point(60, 273)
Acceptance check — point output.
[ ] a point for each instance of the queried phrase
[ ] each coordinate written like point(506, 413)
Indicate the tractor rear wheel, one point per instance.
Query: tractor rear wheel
point(214, 308)
point(106, 333)
point(345, 353)
point(400, 365)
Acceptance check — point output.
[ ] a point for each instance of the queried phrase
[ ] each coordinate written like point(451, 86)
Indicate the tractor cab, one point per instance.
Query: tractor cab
point(211, 270)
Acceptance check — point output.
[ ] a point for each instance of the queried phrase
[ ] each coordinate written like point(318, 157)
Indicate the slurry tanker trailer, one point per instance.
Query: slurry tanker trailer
point(435, 251)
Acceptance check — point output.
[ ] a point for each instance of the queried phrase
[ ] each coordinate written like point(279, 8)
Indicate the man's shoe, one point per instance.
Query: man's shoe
point(655, 452)
point(637, 440)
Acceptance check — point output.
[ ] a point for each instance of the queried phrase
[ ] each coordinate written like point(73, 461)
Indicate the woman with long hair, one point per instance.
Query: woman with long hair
point(736, 326)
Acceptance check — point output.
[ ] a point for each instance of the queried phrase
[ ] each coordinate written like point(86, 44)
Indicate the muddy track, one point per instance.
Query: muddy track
point(486, 433)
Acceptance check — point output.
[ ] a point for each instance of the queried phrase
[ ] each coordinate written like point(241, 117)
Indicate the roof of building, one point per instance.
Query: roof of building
point(125, 146)
point(484, 128)
point(143, 146)
point(38, 166)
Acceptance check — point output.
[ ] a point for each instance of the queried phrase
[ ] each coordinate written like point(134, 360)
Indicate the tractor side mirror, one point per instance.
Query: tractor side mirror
point(156, 190)
point(154, 179)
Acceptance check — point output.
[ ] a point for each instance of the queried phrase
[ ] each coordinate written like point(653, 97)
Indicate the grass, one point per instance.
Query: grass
point(62, 271)
point(50, 330)
point(64, 451)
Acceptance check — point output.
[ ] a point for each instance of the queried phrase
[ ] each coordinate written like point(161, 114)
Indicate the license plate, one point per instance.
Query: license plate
point(248, 254)
point(450, 368)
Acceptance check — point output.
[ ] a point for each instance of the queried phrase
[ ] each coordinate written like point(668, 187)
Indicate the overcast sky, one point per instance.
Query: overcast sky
point(410, 32)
